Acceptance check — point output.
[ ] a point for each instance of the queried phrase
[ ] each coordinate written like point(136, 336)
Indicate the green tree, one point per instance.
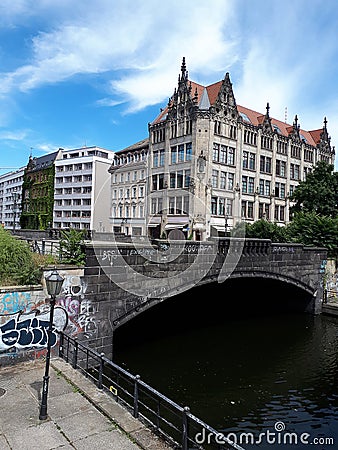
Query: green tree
point(17, 265)
point(72, 246)
point(318, 193)
point(263, 229)
point(312, 229)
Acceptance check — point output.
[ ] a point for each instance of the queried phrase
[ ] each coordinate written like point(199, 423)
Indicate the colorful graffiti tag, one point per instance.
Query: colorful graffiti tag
point(12, 302)
point(30, 330)
point(81, 312)
point(24, 316)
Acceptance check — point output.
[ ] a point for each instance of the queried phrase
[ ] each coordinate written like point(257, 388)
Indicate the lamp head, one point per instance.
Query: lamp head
point(54, 283)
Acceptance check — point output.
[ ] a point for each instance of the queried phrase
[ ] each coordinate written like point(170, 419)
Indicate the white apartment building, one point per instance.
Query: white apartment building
point(82, 189)
point(10, 199)
point(128, 190)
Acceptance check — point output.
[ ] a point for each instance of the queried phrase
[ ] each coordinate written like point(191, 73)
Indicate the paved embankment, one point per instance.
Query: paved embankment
point(80, 416)
point(330, 308)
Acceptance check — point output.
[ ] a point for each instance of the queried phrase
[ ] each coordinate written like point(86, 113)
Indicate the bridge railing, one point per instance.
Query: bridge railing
point(174, 423)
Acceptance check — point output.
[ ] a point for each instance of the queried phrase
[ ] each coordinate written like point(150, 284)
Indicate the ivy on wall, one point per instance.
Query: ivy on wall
point(37, 210)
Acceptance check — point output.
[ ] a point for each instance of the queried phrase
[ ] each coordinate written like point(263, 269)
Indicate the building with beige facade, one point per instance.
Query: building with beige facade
point(129, 172)
point(213, 163)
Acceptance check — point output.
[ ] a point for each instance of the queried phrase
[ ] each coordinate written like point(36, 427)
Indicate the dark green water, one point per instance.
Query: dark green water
point(241, 361)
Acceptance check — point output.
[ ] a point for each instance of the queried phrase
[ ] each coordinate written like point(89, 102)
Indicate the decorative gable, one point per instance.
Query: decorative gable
point(226, 101)
point(294, 130)
point(182, 100)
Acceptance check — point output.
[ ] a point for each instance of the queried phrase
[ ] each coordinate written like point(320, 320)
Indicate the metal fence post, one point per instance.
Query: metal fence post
point(185, 428)
point(61, 341)
point(76, 347)
point(136, 379)
point(100, 386)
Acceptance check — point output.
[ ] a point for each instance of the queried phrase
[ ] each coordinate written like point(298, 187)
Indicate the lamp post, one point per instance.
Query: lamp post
point(226, 217)
point(54, 284)
point(15, 204)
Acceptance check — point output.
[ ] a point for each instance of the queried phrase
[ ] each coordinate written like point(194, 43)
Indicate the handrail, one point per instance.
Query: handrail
point(174, 423)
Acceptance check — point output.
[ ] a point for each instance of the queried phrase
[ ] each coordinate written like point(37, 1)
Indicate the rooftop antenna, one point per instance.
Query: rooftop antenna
point(286, 114)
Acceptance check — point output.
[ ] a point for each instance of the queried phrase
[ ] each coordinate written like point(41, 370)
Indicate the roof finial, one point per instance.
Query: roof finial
point(195, 98)
point(325, 123)
point(267, 109)
point(183, 66)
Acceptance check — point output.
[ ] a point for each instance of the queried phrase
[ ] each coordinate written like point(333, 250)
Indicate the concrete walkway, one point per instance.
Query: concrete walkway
point(331, 307)
point(81, 416)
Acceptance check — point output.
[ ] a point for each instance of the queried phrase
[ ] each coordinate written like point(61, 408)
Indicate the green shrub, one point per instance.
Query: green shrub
point(16, 261)
point(72, 246)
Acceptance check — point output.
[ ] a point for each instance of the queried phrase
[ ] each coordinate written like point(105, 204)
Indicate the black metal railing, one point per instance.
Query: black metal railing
point(174, 423)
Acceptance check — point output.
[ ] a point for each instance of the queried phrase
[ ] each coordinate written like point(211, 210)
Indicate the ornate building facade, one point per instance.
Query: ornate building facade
point(209, 163)
point(129, 173)
point(213, 163)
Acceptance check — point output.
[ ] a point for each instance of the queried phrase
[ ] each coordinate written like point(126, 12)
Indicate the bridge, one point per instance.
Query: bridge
point(122, 280)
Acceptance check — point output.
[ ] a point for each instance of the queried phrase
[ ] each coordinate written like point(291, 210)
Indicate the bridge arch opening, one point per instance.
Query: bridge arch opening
point(210, 304)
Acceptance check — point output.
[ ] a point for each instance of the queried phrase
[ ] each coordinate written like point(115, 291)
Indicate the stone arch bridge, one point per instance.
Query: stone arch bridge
point(124, 279)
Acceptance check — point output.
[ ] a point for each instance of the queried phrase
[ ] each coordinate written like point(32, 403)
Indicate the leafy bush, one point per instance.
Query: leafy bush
point(41, 261)
point(17, 266)
point(312, 229)
point(71, 246)
point(263, 229)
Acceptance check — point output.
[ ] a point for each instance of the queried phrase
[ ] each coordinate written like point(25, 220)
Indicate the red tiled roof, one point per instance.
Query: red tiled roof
point(213, 91)
point(255, 118)
point(199, 88)
point(316, 134)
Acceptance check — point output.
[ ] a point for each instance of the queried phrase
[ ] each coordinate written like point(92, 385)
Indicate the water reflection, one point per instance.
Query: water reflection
point(242, 369)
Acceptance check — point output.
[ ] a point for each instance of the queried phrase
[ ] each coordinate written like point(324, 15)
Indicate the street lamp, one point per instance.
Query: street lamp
point(226, 217)
point(15, 204)
point(54, 284)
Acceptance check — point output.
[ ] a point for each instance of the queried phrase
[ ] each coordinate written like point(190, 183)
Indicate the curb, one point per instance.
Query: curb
point(136, 431)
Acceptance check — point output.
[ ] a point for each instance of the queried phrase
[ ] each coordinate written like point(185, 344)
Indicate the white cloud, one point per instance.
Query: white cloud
point(275, 53)
point(14, 135)
point(46, 147)
point(125, 35)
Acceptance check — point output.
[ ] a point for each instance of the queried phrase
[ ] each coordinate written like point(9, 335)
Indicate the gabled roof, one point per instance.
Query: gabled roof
point(283, 128)
point(213, 91)
point(42, 162)
point(316, 134)
point(207, 96)
point(143, 144)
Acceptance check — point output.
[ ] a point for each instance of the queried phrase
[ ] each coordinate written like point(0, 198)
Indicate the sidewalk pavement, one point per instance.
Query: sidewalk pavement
point(80, 416)
point(330, 308)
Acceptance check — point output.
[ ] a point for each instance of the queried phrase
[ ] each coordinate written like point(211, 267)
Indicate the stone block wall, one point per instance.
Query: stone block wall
point(120, 281)
point(25, 313)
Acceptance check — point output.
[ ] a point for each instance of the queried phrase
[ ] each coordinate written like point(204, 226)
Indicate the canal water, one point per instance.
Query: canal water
point(245, 358)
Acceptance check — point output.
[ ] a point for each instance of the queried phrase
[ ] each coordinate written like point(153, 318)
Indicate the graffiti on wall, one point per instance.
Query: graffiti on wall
point(24, 316)
point(81, 312)
point(332, 285)
point(30, 330)
point(24, 322)
point(13, 302)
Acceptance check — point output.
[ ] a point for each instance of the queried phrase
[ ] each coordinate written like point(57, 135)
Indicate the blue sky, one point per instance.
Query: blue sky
point(84, 72)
